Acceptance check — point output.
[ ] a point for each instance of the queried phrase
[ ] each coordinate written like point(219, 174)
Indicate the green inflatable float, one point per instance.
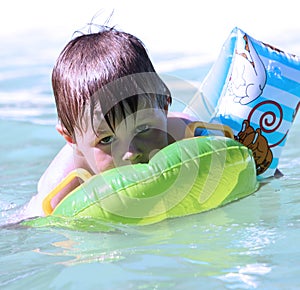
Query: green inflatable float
point(190, 176)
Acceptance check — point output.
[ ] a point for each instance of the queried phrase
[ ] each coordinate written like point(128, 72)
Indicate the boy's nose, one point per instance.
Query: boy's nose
point(134, 151)
point(132, 156)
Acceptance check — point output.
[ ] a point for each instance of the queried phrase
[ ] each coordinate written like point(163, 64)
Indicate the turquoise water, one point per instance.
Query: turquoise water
point(249, 244)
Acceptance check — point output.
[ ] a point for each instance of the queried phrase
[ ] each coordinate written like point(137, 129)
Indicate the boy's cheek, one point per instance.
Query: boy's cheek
point(102, 163)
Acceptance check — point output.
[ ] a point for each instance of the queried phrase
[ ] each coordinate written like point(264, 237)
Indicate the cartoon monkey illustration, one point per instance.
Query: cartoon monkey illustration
point(254, 140)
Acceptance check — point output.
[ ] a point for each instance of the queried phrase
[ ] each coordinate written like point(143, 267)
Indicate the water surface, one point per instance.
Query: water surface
point(248, 244)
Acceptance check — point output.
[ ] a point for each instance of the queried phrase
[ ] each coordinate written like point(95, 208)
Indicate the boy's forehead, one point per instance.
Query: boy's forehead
point(98, 119)
point(143, 102)
point(145, 109)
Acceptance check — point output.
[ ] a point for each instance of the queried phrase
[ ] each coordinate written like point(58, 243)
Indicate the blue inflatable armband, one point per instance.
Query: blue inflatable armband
point(255, 90)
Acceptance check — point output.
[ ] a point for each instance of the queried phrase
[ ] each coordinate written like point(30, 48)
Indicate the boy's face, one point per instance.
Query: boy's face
point(135, 140)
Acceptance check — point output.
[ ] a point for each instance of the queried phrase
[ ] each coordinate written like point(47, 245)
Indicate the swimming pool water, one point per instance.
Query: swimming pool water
point(252, 243)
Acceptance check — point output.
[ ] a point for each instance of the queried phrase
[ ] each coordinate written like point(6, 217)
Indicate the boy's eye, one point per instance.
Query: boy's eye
point(142, 128)
point(107, 140)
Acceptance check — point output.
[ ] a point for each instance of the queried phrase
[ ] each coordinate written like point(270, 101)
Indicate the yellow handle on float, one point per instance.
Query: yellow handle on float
point(80, 173)
point(191, 127)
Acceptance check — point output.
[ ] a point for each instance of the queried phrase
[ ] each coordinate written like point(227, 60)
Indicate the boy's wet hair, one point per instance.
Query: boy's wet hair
point(110, 69)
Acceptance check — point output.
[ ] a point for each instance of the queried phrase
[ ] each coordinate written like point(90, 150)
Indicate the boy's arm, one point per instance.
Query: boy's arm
point(61, 165)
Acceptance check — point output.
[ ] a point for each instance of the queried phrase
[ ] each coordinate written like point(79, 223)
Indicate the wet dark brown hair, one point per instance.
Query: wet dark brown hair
point(110, 68)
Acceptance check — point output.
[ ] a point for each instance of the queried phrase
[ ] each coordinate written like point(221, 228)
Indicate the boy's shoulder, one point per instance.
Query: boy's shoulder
point(181, 116)
point(177, 122)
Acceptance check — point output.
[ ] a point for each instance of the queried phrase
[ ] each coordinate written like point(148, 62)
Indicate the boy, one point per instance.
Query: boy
point(112, 109)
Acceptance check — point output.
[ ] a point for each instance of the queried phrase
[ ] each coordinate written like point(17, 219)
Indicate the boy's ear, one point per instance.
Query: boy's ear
point(62, 132)
point(166, 107)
